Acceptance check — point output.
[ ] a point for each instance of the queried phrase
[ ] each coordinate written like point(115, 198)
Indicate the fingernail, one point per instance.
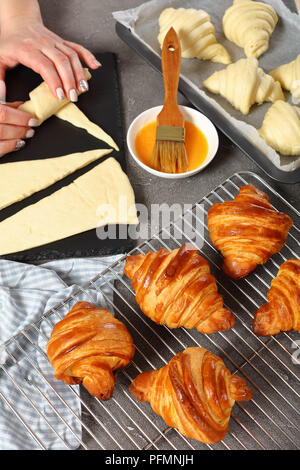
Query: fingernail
point(83, 84)
point(20, 144)
point(29, 134)
point(2, 91)
point(33, 122)
point(60, 93)
point(97, 63)
point(73, 95)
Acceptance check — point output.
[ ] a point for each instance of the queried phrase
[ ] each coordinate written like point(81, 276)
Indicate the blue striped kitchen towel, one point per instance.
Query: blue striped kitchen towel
point(37, 411)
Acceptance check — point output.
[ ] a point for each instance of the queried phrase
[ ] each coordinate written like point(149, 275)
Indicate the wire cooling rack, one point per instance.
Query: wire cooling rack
point(269, 421)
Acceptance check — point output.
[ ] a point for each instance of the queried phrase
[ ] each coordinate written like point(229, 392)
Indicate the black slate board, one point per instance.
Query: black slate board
point(55, 138)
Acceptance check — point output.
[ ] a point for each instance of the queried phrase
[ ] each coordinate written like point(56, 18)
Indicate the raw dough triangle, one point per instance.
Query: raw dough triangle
point(243, 84)
point(196, 34)
point(73, 115)
point(281, 128)
point(101, 196)
point(19, 180)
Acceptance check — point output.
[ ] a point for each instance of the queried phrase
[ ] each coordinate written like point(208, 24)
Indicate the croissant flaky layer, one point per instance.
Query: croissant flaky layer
point(244, 84)
point(87, 346)
point(250, 24)
point(194, 393)
point(281, 128)
point(176, 289)
point(282, 312)
point(247, 230)
point(196, 34)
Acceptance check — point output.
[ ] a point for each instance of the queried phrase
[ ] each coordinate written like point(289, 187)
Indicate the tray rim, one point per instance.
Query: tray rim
point(242, 143)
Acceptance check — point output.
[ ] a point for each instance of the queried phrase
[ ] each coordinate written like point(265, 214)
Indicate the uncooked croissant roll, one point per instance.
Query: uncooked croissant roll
point(176, 289)
point(250, 25)
point(288, 75)
point(281, 128)
point(243, 84)
point(282, 312)
point(43, 104)
point(194, 393)
point(247, 230)
point(87, 346)
point(196, 34)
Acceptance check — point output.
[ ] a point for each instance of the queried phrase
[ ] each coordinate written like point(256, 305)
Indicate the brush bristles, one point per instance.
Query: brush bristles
point(169, 157)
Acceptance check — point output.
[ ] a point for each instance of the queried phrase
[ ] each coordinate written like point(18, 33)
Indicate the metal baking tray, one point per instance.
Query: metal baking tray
point(206, 108)
point(269, 421)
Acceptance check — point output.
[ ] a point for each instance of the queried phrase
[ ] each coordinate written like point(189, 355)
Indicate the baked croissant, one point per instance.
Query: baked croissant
point(196, 34)
point(247, 230)
point(282, 312)
point(288, 75)
point(281, 128)
point(194, 393)
point(176, 289)
point(87, 346)
point(243, 84)
point(249, 25)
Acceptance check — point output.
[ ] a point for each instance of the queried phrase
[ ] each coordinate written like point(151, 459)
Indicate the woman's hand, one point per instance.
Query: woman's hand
point(30, 43)
point(15, 126)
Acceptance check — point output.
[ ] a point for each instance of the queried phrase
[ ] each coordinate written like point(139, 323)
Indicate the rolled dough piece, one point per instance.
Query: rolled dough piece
point(72, 114)
point(196, 33)
point(19, 180)
point(249, 25)
point(43, 104)
point(243, 84)
point(281, 128)
point(288, 76)
point(101, 196)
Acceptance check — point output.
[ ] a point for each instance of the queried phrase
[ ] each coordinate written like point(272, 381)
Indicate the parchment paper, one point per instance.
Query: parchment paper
point(284, 47)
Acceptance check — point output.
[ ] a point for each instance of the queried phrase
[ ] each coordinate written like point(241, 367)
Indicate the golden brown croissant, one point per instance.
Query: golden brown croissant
point(194, 393)
point(247, 230)
point(87, 346)
point(282, 312)
point(176, 289)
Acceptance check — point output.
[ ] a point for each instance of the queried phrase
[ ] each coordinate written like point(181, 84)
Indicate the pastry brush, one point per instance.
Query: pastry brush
point(169, 153)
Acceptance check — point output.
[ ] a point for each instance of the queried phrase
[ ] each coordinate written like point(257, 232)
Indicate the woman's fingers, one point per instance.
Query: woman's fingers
point(16, 117)
point(84, 54)
point(7, 146)
point(64, 68)
point(8, 132)
point(79, 74)
point(41, 64)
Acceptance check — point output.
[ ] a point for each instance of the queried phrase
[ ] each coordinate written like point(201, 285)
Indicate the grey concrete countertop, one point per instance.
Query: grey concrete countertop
point(91, 24)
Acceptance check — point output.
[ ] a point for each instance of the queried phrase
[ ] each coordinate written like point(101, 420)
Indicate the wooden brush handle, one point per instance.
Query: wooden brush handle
point(171, 61)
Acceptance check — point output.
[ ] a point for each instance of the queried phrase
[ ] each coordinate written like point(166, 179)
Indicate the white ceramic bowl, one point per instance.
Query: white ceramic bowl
point(192, 115)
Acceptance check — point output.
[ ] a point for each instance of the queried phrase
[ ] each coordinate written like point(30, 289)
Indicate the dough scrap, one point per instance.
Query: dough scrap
point(250, 24)
point(288, 76)
point(196, 34)
point(281, 128)
point(243, 84)
point(101, 196)
point(75, 116)
point(19, 180)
